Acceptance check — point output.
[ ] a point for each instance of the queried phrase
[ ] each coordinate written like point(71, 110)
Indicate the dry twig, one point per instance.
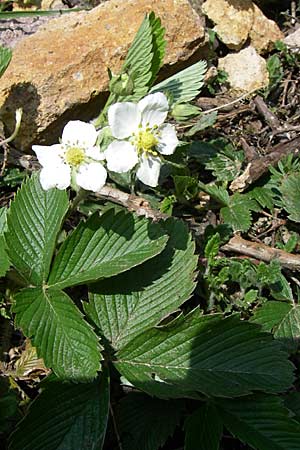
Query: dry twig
point(262, 252)
point(259, 166)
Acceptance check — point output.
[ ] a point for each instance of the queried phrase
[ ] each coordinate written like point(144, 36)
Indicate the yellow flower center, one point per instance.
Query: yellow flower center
point(146, 141)
point(74, 156)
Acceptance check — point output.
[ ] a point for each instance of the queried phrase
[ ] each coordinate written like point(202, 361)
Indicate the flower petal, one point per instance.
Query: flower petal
point(167, 140)
point(95, 153)
point(91, 177)
point(53, 176)
point(154, 109)
point(79, 133)
point(48, 155)
point(121, 156)
point(148, 171)
point(124, 119)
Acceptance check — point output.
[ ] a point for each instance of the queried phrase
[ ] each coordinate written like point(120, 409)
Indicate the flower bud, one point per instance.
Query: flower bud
point(184, 111)
point(121, 84)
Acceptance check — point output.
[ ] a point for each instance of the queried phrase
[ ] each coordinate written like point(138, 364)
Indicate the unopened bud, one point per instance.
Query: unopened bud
point(121, 84)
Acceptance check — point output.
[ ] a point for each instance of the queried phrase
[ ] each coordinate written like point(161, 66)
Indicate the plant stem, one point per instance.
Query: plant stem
point(115, 427)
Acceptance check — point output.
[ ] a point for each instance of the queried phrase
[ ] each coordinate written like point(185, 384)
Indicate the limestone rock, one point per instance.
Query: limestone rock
point(264, 32)
point(293, 41)
point(233, 20)
point(239, 20)
point(247, 70)
point(60, 73)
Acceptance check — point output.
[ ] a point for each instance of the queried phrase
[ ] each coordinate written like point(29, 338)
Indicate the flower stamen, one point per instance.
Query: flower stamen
point(145, 142)
point(74, 156)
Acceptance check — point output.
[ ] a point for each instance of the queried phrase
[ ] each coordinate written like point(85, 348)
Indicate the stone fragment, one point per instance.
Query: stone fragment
point(247, 70)
point(264, 32)
point(60, 73)
point(233, 20)
point(293, 41)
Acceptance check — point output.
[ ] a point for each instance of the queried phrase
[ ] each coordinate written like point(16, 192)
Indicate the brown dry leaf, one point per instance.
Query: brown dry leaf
point(29, 365)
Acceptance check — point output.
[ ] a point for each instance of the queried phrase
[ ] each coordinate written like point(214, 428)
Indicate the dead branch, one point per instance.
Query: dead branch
point(262, 252)
point(264, 111)
point(259, 166)
point(132, 202)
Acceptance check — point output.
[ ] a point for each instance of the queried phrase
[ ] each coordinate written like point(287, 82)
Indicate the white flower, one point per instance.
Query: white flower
point(74, 160)
point(141, 137)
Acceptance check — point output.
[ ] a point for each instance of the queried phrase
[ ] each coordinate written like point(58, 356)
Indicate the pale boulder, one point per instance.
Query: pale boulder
point(233, 20)
point(264, 32)
point(293, 41)
point(60, 73)
point(247, 70)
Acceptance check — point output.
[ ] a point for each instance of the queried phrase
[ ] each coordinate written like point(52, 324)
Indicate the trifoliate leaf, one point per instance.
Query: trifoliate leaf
point(290, 196)
point(34, 221)
point(203, 429)
point(4, 261)
point(208, 354)
point(105, 246)
point(65, 416)
point(64, 340)
point(238, 212)
point(185, 85)
point(283, 320)
point(261, 421)
point(138, 413)
point(5, 57)
point(123, 306)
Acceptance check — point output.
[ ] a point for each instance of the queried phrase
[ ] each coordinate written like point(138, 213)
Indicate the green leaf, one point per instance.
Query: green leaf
point(205, 121)
point(63, 339)
point(186, 188)
point(184, 111)
point(8, 406)
point(34, 221)
point(261, 421)
point(105, 246)
point(215, 356)
point(123, 306)
point(217, 192)
point(292, 402)
point(237, 216)
point(4, 261)
point(185, 85)
point(158, 45)
point(212, 247)
point(283, 320)
point(238, 212)
point(203, 429)
point(5, 57)
point(139, 413)
point(263, 196)
point(275, 70)
point(290, 196)
point(145, 56)
point(65, 416)
point(227, 164)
